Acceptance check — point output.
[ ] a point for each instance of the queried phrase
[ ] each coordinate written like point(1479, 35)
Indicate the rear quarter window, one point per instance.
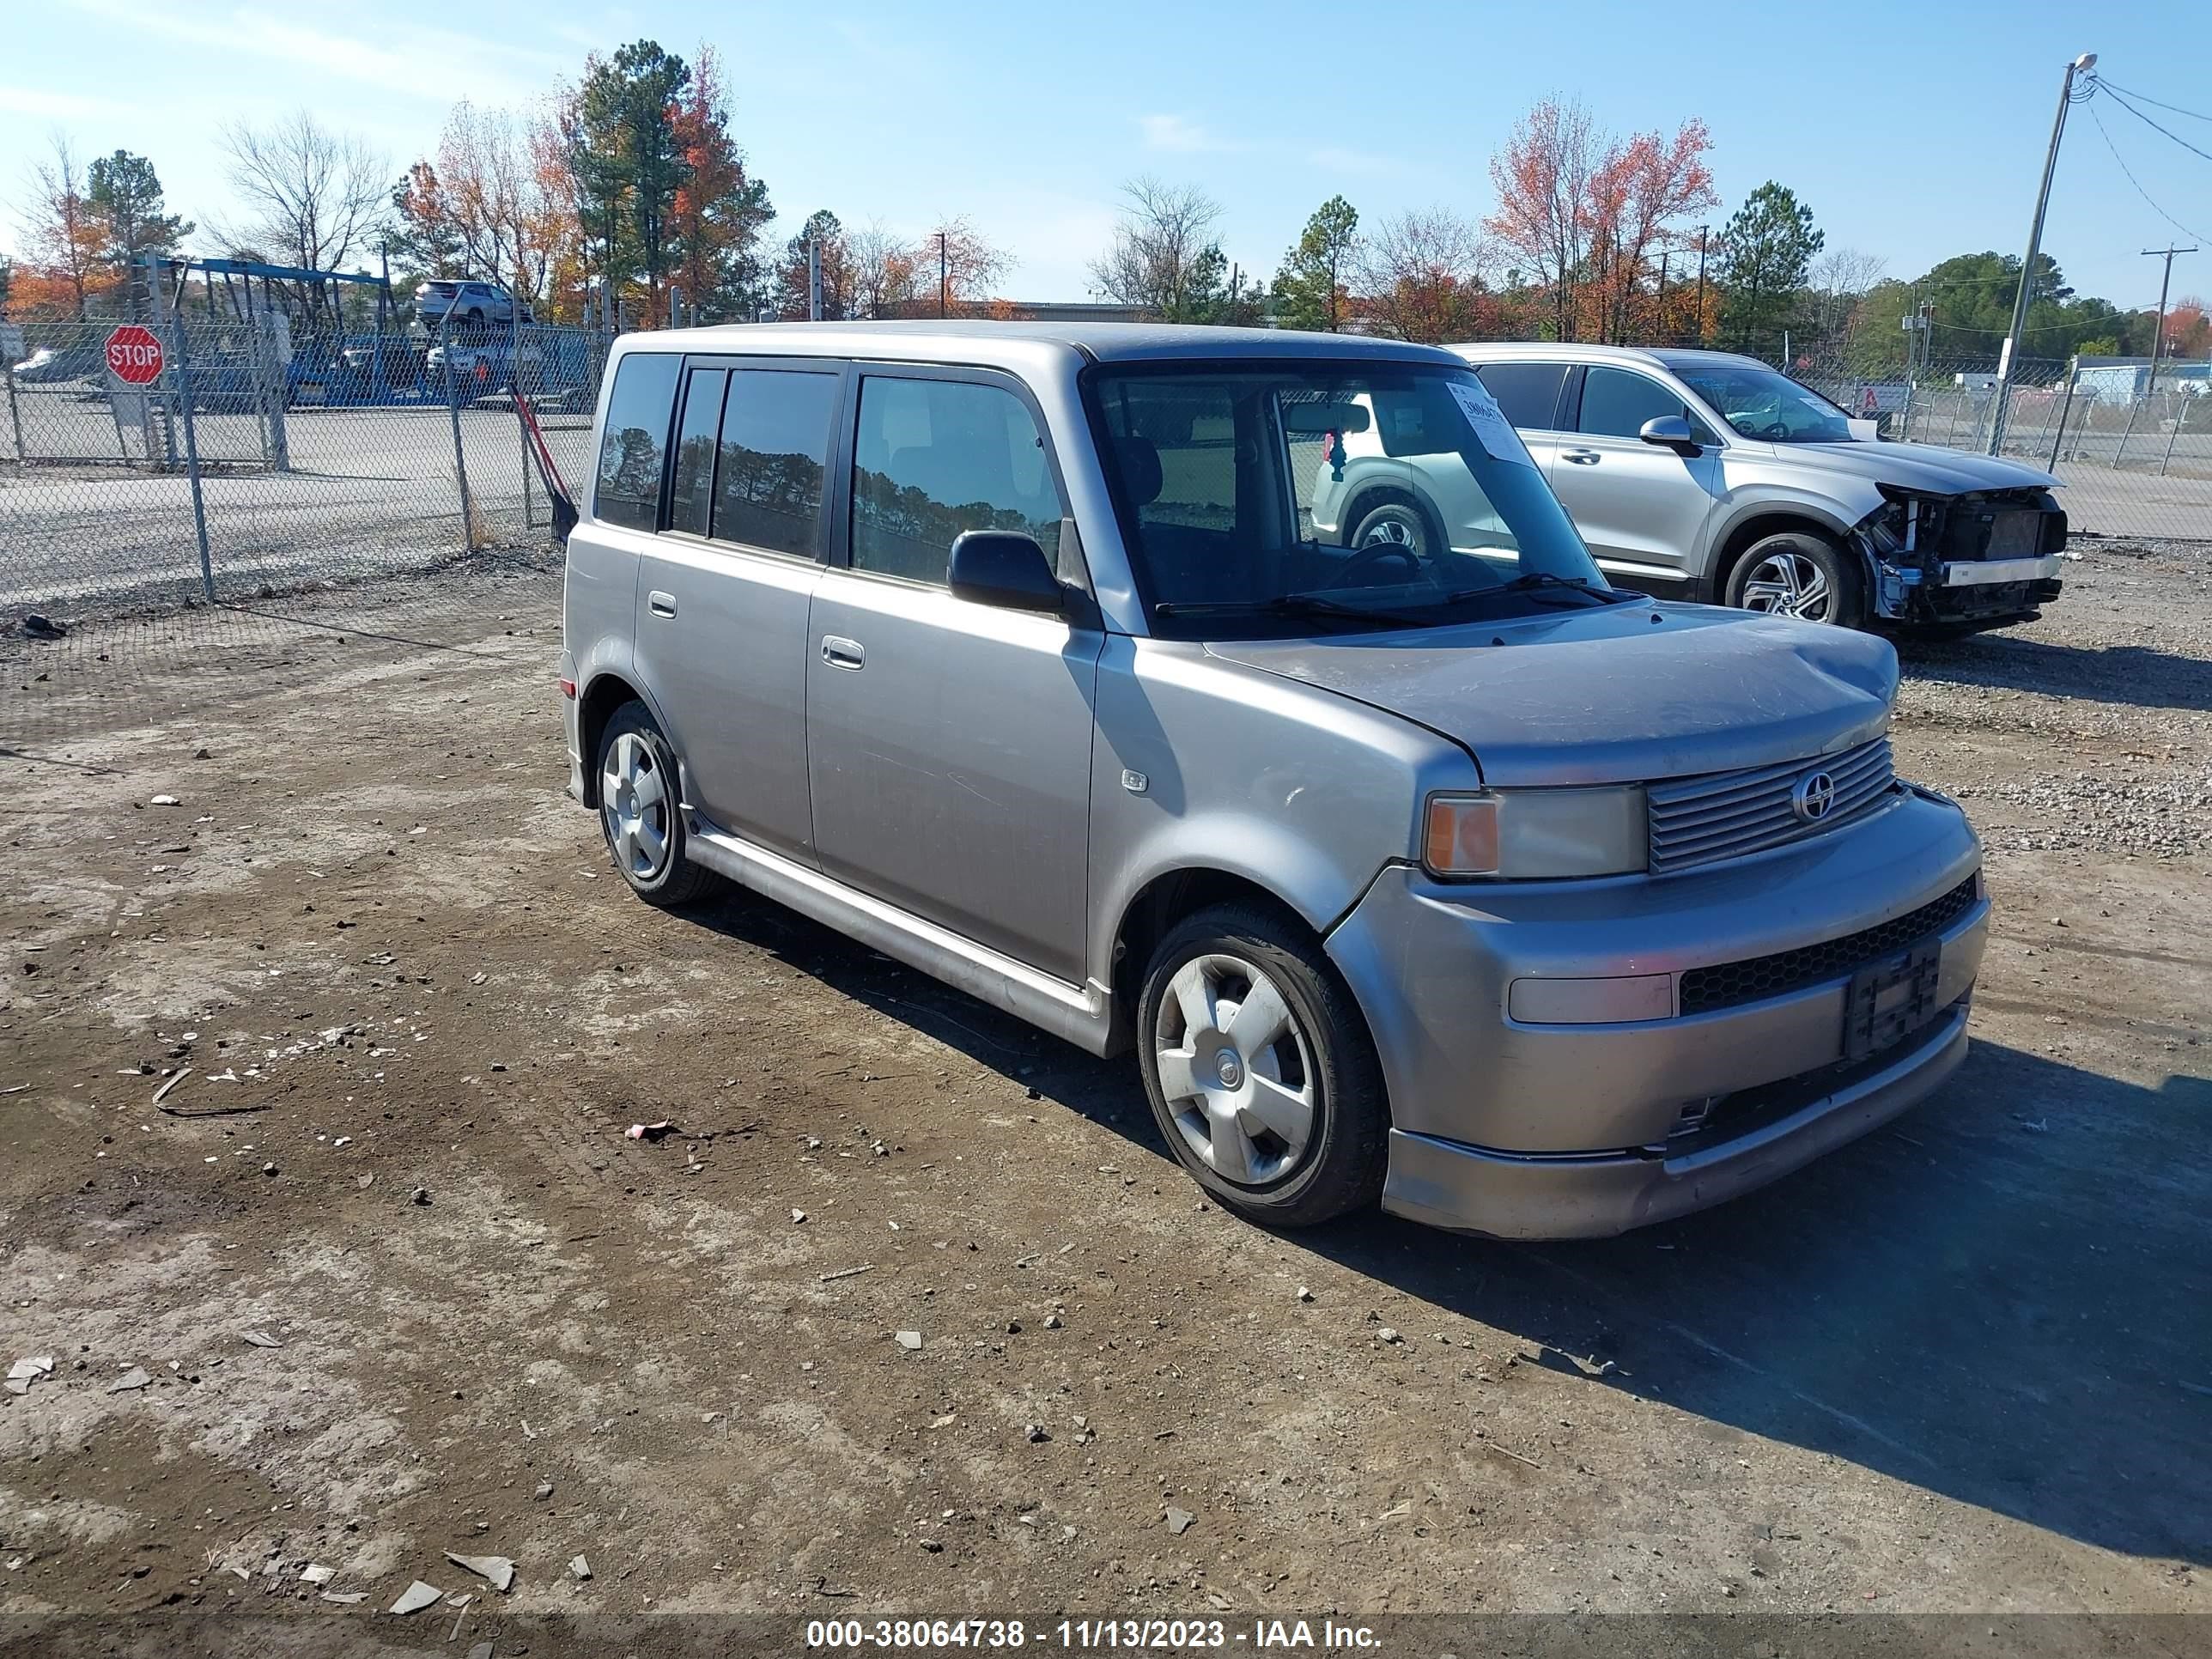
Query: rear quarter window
point(634, 447)
point(1529, 393)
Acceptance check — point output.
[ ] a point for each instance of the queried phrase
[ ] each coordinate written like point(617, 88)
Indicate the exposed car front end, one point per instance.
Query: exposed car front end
point(1978, 558)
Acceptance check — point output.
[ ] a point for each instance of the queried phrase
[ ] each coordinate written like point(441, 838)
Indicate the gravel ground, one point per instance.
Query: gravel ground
point(1962, 1366)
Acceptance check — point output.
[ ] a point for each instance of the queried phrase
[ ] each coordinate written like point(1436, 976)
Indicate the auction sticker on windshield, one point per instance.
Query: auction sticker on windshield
point(1489, 422)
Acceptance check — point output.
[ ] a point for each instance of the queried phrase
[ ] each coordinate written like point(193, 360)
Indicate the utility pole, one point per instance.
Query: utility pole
point(814, 279)
point(2080, 65)
point(2158, 338)
point(1702, 229)
point(940, 273)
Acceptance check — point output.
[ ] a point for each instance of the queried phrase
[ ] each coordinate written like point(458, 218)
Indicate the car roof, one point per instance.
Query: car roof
point(1570, 351)
point(1029, 344)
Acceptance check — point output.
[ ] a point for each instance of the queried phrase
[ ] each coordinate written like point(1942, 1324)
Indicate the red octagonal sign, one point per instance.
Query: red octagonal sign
point(135, 355)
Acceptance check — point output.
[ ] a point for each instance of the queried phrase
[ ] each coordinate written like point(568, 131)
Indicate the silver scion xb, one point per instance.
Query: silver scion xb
point(1446, 876)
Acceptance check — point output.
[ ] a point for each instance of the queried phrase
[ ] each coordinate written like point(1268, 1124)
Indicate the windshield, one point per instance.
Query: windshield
point(1296, 498)
point(1759, 403)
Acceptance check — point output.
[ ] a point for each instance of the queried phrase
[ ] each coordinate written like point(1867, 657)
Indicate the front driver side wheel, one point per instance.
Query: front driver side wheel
point(640, 811)
point(1260, 1070)
point(1799, 575)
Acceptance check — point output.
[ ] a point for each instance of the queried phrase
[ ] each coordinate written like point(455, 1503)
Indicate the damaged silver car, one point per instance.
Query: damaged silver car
point(1707, 475)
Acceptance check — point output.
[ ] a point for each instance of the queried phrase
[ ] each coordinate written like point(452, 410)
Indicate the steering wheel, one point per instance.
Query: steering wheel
point(1778, 430)
point(1374, 553)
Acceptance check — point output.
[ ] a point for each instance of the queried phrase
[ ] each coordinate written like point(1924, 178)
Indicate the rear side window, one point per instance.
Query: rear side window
point(635, 442)
point(775, 447)
point(935, 458)
point(1528, 392)
point(1616, 404)
point(691, 498)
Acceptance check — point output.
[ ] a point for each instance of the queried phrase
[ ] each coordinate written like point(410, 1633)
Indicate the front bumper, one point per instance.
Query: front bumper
point(1505, 1196)
point(1432, 965)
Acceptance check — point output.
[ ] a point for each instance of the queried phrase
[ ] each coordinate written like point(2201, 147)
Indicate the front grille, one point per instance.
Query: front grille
point(1727, 815)
point(1729, 984)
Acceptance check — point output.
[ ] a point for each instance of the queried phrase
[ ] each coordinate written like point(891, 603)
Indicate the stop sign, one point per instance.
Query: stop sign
point(135, 355)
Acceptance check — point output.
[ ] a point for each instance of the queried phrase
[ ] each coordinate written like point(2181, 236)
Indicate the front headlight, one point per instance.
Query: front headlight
point(1528, 834)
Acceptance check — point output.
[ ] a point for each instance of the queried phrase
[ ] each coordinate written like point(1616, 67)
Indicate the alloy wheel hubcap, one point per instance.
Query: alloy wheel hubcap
point(1391, 532)
point(1789, 585)
point(633, 799)
point(1236, 1070)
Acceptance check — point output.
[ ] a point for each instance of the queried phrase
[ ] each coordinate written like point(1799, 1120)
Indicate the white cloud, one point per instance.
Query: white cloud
point(431, 64)
point(1180, 135)
point(54, 106)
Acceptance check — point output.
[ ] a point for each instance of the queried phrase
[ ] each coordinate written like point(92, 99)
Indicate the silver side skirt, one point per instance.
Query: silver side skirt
point(1081, 1014)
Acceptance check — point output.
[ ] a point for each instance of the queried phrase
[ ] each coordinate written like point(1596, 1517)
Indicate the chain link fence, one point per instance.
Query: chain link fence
point(2134, 450)
point(264, 479)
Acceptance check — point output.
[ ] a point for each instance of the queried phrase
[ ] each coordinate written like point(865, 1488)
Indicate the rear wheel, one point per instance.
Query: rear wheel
point(1394, 519)
point(638, 811)
point(1260, 1070)
point(1798, 574)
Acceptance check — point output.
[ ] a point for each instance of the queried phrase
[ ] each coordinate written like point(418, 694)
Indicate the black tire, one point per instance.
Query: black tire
point(1393, 516)
point(658, 873)
point(1326, 1051)
point(473, 318)
point(1843, 603)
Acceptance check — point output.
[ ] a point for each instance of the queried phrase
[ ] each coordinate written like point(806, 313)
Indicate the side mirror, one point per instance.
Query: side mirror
point(1671, 432)
point(1005, 569)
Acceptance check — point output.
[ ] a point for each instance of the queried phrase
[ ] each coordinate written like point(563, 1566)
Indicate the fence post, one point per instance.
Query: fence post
point(514, 390)
point(2135, 403)
point(2180, 420)
point(192, 450)
point(453, 413)
point(15, 415)
point(2065, 408)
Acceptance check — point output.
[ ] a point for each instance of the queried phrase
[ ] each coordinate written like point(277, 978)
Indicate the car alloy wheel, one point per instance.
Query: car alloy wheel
point(1236, 1070)
point(634, 797)
point(1789, 584)
point(1390, 532)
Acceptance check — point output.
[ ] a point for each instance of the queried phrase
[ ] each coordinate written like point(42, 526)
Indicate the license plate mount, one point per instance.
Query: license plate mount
point(1889, 1000)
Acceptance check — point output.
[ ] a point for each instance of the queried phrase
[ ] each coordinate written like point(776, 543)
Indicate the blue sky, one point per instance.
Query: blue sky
point(1913, 131)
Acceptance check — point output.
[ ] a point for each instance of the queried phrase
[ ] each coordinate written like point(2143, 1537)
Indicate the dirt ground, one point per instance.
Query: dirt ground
point(338, 1048)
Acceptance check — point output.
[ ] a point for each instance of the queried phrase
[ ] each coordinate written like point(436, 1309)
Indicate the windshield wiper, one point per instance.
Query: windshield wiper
point(1282, 604)
point(1536, 580)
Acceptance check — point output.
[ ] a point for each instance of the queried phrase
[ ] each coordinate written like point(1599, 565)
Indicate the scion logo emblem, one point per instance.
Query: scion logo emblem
point(1814, 797)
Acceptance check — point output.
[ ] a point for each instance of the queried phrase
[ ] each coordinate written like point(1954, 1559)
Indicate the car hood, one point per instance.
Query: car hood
point(1611, 696)
point(1928, 467)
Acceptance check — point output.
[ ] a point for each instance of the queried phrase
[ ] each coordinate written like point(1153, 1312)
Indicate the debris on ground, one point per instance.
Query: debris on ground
point(316, 1573)
point(1038, 1434)
point(849, 1272)
point(1179, 1521)
point(1389, 1336)
point(416, 1597)
point(136, 1377)
point(647, 1131)
point(496, 1568)
point(36, 627)
point(346, 1598)
point(580, 1567)
point(1304, 1294)
point(20, 1373)
point(544, 1491)
point(797, 1215)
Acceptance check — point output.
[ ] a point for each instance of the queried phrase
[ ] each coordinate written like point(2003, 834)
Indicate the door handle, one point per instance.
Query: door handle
point(661, 604)
point(841, 653)
point(1580, 456)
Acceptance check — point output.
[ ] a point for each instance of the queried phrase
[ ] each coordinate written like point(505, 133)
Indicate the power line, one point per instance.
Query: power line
point(2146, 121)
point(2137, 183)
point(2148, 98)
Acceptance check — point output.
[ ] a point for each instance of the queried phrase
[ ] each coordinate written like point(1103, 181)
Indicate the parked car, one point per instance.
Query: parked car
point(473, 305)
point(1446, 874)
point(52, 365)
point(1708, 476)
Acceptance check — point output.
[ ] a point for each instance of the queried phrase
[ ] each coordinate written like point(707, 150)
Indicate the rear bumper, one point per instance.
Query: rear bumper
point(1520, 1195)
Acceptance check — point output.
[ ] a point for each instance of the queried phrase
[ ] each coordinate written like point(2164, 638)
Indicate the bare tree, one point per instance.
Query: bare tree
point(1422, 278)
point(1543, 179)
point(313, 197)
point(1165, 235)
point(886, 271)
point(1835, 285)
point(66, 236)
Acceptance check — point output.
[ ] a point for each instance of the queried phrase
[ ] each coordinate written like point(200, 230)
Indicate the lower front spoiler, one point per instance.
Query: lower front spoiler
point(1470, 1190)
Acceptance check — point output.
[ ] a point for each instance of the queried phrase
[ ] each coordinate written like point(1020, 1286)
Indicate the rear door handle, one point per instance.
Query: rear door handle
point(839, 652)
point(661, 604)
point(1580, 456)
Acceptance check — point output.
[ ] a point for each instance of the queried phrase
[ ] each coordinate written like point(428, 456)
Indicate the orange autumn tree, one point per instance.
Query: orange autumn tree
point(720, 209)
point(65, 267)
point(1592, 215)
